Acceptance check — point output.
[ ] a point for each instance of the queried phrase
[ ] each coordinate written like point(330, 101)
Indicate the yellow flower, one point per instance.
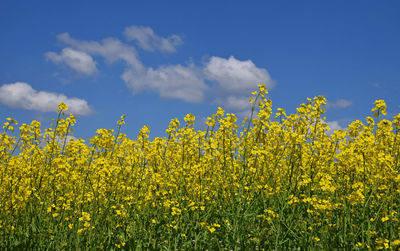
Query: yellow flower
point(396, 242)
point(385, 219)
point(316, 239)
point(380, 107)
point(211, 229)
point(62, 107)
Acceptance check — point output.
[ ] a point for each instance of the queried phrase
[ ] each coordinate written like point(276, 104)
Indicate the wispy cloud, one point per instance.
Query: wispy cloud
point(375, 84)
point(149, 41)
point(175, 81)
point(340, 103)
point(234, 79)
point(334, 126)
point(237, 103)
point(22, 95)
point(77, 60)
point(110, 48)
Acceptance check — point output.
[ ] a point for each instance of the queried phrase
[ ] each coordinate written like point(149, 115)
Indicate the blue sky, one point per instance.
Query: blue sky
point(157, 60)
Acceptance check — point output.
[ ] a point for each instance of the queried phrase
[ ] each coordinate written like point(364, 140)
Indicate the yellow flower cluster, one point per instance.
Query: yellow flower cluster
point(274, 181)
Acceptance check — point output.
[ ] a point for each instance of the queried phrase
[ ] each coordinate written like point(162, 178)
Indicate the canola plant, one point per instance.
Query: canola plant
point(274, 182)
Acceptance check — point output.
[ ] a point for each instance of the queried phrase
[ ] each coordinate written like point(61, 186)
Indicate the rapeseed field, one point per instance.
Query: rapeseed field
point(271, 182)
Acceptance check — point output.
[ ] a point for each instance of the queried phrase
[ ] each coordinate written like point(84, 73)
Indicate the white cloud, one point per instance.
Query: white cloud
point(174, 81)
point(77, 60)
point(234, 79)
point(237, 103)
point(235, 76)
point(340, 103)
point(334, 126)
point(149, 41)
point(110, 48)
point(22, 95)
